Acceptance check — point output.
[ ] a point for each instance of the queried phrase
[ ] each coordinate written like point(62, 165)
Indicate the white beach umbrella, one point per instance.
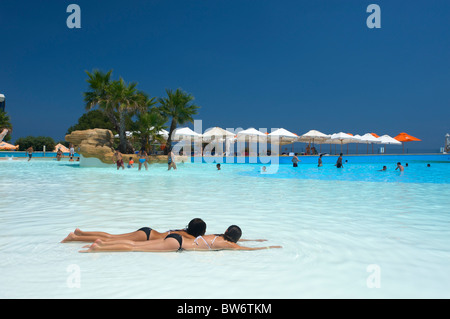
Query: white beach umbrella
point(184, 133)
point(163, 133)
point(358, 140)
point(386, 139)
point(314, 136)
point(283, 136)
point(368, 138)
point(217, 133)
point(341, 138)
point(251, 134)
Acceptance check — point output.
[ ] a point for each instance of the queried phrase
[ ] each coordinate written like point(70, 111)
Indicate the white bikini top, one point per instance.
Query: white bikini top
point(204, 240)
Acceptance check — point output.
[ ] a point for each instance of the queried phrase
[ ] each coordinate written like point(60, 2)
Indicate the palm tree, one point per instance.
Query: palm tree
point(99, 95)
point(178, 106)
point(126, 99)
point(118, 100)
point(148, 127)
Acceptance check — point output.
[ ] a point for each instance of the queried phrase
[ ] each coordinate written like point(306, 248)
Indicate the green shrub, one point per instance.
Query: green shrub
point(90, 120)
point(37, 142)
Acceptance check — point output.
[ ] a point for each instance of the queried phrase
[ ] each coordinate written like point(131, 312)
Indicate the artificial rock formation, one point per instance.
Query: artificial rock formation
point(96, 143)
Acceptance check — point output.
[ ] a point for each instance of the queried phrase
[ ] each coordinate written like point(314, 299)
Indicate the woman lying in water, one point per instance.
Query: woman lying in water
point(176, 242)
point(195, 228)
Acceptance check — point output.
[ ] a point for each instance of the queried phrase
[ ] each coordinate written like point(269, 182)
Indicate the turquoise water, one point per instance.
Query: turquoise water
point(416, 172)
point(335, 226)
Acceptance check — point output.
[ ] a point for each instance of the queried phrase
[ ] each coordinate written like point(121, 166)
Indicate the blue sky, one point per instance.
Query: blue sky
point(295, 64)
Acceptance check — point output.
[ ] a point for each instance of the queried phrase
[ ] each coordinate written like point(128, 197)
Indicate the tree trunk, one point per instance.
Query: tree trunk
point(113, 120)
point(122, 134)
point(173, 126)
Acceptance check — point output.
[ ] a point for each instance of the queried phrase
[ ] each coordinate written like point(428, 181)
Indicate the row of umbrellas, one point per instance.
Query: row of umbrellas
point(286, 137)
point(282, 136)
point(346, 138)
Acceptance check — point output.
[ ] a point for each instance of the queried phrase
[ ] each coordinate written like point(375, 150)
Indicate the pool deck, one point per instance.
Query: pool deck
point(40, 156)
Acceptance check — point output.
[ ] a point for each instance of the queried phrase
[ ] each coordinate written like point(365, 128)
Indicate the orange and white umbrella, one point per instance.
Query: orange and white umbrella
point(61, 147)
point(8, 147)
point(404, 137)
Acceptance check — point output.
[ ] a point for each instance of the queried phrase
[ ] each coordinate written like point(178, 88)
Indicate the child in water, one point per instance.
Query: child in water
point(130, 163)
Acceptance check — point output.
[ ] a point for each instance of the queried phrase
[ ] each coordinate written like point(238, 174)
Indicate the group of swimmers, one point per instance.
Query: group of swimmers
point(59, 153)
point(147, 239)
point(338, 164)
point(143, 160)
point(399, 167)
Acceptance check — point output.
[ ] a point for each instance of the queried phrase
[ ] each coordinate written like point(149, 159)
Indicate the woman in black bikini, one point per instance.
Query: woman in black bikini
point(176, 242)
point(195, 228)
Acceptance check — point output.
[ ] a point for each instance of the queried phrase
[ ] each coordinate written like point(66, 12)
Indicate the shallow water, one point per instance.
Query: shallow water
point(335, 226)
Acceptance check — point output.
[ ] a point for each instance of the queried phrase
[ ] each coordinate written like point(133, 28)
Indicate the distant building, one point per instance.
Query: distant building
point(2, 102)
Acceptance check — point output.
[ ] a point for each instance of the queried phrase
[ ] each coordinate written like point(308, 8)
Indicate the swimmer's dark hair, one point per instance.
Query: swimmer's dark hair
point(196, 227)
point(233, 234)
